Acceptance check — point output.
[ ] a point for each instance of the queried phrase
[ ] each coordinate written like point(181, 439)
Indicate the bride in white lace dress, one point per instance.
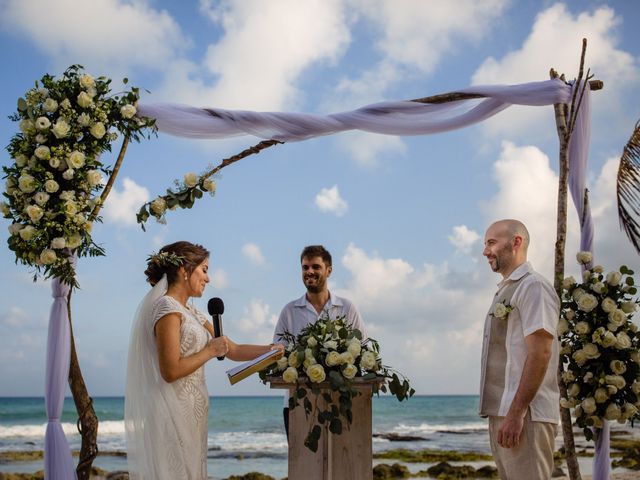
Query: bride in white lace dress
point(166, 398)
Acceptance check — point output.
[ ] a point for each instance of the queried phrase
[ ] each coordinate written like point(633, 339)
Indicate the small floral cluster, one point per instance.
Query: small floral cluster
point(332, 351)
point(502, 310)
point(166, 259)
point(600, 346)
point(52, 183)
point(184, 196)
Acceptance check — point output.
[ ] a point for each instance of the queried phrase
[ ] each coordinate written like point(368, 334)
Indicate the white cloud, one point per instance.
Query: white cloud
point(248, 73)
point(121, 206)
point(330, 201)
point(253, 253)
point(463, 238)
point(257, 320)
point(219, 278)
point(106, 35)
point(555, 41)
point(365, 148)
point(15, 317)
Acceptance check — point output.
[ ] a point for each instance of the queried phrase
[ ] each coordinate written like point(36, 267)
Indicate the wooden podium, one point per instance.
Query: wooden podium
point(347, 456)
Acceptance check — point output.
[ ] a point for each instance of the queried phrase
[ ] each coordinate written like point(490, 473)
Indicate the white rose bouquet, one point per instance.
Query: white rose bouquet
point(600, 347)
point(52, 185)
point(332, 351)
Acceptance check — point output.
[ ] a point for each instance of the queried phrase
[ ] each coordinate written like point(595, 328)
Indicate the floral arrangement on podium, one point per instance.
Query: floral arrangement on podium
point(600, 346)
point(53, 182)
point(333, 352)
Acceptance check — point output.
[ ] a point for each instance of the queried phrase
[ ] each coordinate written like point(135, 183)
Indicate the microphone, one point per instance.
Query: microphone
point(216, 309)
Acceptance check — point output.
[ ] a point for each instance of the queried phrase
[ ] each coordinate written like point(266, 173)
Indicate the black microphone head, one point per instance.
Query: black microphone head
point(215, 306)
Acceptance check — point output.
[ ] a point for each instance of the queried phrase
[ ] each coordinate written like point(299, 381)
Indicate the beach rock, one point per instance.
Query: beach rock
point(396, 437)
point(384, 471)
point(557, 472)
point(39, 475)
point(487, 472)
point(446, 471)
point(251, 476)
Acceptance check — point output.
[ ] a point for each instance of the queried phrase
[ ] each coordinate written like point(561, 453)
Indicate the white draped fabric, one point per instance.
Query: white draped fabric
point(58, 463)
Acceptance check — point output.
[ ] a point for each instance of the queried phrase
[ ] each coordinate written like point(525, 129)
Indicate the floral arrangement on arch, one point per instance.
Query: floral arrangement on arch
point(52, 184)
point(334, 352)
point(600, 346)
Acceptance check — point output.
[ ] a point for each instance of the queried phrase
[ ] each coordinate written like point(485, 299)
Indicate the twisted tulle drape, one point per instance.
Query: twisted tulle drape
point(58, 463)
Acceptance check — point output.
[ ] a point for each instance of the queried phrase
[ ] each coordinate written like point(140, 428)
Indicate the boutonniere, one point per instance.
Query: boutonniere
point(502, 310)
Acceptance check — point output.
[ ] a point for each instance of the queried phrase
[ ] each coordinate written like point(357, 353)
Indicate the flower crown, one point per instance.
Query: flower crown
point(165, 259)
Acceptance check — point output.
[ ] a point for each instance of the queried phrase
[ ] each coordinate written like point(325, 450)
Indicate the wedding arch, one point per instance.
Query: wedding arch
point(439, 113)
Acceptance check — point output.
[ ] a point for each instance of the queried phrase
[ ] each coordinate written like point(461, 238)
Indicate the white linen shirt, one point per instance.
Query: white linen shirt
point(535, 306)
point(299, 313)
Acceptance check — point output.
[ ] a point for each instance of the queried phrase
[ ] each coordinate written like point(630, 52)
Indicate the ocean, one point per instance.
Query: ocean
point(246, 433)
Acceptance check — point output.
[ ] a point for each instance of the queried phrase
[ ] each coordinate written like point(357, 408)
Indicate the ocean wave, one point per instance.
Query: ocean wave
point(428, 428)
point(225, 443)
point(37, 431)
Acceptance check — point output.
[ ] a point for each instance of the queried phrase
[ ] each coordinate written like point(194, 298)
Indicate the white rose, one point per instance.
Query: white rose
point(76, 159)
point(608, 305)
point(368, 360)
point(582, 328)
point(42, 152)
point(128, 111)
point(54, 162)
point(209, 185)
point(584, 258)
point(293, 359)
point(577, 294)
point(41, 198)
point(21, 160)
point(591, 350)
point(568, 376)
point(312, 342)
point(500, 311)
point(70, 208)
point(629, 307)
point(601, 395)
point(588, 405)
point(349, 371)
point(27, 127)
point(623, 342)
point(615, 380)
point(598, 269)
point(61, 128)
point(580, 357)
point(290, 375)
point(635, 388)
point(568, 282)
point(608, 339)
point(316, 373)
point(612, 412)
point(4, 208)
point(588, 376)
point(158, 206)
point(58, 243)
point(617, 366)
point(74, 241)
point(308, 361)
point(565, 350)
point(333, 359)
point(354, 347)
point(629, 410)
point(330, 344)
point(98, 130)
point(613, 278)
point(27, 233)
point(40, 138)
point(598, 287)
point(282, 364)
point(48, 256)
point(84, 120)
point(42, 123)
point(564, 403)
point(51, 186)
point(346, 358)
point(578, 411)
point(86, 81)
point(612, 390)
point(569, 314)
point(587, 302)
point(190, 179)
point(68, 174)
point(50, 105)
point(67, 195)
point(15, 228)
point(35, 212)
point(27, 183)
point(617, 317)
point(84, 99)
point(94, 177)
point(596, 421)
point(573, 390)
point(563, 327)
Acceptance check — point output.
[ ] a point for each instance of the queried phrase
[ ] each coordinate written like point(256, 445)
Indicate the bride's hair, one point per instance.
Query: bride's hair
point(173, 256)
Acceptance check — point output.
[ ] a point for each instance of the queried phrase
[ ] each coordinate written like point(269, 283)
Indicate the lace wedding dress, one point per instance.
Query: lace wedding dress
point(166, 423)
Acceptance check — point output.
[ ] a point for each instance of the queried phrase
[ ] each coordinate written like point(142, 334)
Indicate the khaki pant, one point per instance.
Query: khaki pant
point(532, 459)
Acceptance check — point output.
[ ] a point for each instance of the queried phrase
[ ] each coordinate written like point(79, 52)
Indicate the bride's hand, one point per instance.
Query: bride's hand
point(277, 346)
point(218, 346)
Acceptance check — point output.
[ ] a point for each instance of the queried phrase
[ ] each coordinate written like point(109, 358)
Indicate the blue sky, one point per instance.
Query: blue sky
point(403, 217)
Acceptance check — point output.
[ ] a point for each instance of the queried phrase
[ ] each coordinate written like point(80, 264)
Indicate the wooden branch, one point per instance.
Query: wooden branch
point(111, 181)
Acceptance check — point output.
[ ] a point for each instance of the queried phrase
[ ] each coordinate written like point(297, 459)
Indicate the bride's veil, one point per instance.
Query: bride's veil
point(156, 434)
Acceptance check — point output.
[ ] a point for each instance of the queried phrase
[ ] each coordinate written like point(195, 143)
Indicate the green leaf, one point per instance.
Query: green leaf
point(301, 392)
point(22, 104)
point(335, 426)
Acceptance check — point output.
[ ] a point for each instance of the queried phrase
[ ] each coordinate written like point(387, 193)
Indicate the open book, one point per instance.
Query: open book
point(245, 369)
